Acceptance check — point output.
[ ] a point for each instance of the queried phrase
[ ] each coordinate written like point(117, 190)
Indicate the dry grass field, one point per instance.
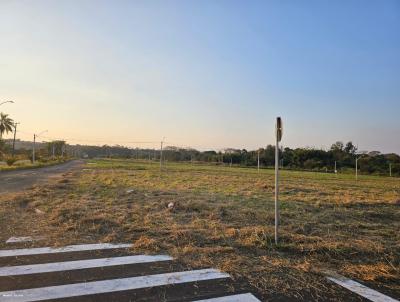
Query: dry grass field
point(224, 217)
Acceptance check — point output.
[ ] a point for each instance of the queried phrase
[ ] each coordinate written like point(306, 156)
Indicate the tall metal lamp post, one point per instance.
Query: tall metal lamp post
point(34, 144)
point(161, 150)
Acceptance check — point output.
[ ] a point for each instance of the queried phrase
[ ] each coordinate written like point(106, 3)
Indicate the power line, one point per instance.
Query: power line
point(90, 140)
point(106, 141)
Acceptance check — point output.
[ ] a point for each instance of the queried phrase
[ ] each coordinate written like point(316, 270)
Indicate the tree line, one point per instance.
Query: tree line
point(340, 155)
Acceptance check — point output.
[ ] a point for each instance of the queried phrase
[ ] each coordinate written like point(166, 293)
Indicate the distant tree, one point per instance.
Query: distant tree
point(350, 148)
point(6, 124)
point(58, 146)
point(393, 158)
point(338, 154)
point(268, 158)
point(374, 153)
point(338, 146)
point(2, 147)
point(288, 157)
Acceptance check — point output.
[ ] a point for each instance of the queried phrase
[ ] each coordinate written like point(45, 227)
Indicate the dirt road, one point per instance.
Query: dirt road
point(15, 181)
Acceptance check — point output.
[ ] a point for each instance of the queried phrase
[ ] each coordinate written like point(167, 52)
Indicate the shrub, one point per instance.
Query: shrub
point(11, 160)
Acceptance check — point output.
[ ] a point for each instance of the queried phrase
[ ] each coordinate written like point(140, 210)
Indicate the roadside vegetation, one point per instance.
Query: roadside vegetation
point(22, 158)
point(216, 216)
point(27, 164)
point(12, 158)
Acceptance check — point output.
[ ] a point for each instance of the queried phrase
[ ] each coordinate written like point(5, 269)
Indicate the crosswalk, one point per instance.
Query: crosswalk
point(108, 272)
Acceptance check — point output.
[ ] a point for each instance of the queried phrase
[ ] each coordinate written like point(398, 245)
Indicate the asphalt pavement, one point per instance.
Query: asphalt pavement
point(18, 180)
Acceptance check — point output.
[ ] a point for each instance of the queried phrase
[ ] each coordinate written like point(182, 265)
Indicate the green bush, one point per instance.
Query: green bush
point(11, 160)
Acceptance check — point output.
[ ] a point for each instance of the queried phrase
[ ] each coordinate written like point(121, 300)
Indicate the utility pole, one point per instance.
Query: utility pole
point(335, 168)
point(15, 133)
point(278, 134)
point(356, 168)
point(53, 149)
point(161, 153)
point(258, 160)
point(390, 170)
point(34, 144)
point(33, 149)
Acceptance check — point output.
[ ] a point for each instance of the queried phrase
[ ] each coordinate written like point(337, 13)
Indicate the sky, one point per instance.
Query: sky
point(206, 74)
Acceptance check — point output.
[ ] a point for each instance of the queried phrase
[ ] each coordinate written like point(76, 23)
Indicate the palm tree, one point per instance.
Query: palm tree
point(6, 124)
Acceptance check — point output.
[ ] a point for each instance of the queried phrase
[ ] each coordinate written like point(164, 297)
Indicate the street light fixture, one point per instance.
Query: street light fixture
point(358, 156)
point(34, 143)
point(12, 102)
point(15, 134)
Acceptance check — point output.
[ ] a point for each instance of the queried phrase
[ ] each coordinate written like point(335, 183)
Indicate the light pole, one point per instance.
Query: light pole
point(15, 133)
point(358, 156)
point(356, 168)
point(12, 102)
point(162, 141)
point(34, 144)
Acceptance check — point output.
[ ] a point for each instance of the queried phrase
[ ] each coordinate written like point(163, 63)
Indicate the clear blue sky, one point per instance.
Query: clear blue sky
point(207, 74)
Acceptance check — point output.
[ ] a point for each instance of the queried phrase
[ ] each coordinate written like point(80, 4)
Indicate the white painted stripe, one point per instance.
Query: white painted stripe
point(24, 239)
point(79, 264)
point(106, 286)
point(360, 289)
point(233, 298)
point(69, 248)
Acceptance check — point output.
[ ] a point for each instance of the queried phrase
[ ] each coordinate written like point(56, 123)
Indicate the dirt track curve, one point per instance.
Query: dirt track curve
point(18, 180)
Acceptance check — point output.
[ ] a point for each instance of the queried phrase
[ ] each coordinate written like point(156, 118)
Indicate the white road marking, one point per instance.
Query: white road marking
point(24, 239)
point(233, 298)
point(360, 289)
point(106, 286)
point(79, 264)
point(69, 248)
